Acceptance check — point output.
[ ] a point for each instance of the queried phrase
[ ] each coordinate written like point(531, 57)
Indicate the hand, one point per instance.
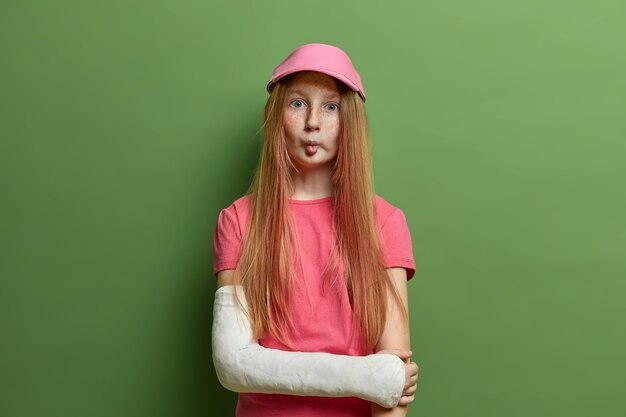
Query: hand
point(410, 369)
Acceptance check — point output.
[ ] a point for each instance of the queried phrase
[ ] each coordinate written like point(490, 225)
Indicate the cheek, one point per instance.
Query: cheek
point(289, 122)
point(336, 126)
point(289, 132)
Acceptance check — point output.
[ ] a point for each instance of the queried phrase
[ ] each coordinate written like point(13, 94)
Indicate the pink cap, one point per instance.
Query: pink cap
point(323, 58)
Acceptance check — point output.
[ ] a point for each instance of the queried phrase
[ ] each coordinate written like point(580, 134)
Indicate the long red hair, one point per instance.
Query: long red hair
point(264, 267)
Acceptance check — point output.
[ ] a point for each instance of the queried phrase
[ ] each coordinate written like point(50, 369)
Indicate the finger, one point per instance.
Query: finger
point(410, 390)
point(407, 387)
point(410, 381)
point(405, 400)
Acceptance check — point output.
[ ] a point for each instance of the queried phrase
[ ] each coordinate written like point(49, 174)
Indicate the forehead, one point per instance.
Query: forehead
point(313, 82)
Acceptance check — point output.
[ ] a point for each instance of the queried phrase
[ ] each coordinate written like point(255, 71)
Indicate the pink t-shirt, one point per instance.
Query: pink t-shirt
point(322, 314)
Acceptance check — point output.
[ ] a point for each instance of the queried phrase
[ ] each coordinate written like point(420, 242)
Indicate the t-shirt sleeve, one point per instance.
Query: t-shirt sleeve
point(226, 241)
point(397, 245)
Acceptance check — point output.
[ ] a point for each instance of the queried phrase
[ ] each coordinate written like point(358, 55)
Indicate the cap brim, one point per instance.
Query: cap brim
point(326, 71)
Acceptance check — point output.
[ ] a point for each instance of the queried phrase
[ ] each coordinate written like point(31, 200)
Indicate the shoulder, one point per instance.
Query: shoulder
point(384, 210)
point(240, 206)
point(396, 237)
point(236, 213)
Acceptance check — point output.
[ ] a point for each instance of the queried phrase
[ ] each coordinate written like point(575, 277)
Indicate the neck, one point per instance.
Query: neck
point(313, 184)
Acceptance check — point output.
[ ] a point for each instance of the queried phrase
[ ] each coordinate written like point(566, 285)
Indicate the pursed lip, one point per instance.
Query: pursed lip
point(311, 142)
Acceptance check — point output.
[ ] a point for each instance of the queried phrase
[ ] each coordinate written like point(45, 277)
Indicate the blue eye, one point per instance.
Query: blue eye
point(297, 101)
point(336, 107)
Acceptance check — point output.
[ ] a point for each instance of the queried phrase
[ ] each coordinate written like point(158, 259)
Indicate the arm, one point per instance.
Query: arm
point(242, 365)
point(395, 336)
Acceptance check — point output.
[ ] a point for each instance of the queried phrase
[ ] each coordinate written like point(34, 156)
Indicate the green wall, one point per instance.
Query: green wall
point(498, 127)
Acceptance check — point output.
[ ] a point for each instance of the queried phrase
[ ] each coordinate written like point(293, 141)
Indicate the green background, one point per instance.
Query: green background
point(498, 128)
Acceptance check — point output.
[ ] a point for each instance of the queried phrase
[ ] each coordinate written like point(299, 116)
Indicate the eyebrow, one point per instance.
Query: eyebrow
point(304, 93)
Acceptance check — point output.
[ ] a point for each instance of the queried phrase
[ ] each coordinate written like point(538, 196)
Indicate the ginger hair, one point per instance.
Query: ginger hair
point(265, 269)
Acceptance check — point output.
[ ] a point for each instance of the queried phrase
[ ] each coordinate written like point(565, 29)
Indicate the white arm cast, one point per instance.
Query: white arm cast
point(242, 365)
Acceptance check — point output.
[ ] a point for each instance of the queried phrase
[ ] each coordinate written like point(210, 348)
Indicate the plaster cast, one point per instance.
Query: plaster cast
point(242, 365)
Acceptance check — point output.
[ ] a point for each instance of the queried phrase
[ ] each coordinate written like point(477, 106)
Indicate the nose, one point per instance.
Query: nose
point(312, 120)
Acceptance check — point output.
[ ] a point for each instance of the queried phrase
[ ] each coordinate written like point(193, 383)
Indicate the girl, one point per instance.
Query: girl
point(320, 261)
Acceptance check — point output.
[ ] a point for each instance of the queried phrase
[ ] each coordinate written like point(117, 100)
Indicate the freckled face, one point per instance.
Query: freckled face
point(311, 120)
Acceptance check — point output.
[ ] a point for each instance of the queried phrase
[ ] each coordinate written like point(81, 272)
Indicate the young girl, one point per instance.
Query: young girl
point(316, 260)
